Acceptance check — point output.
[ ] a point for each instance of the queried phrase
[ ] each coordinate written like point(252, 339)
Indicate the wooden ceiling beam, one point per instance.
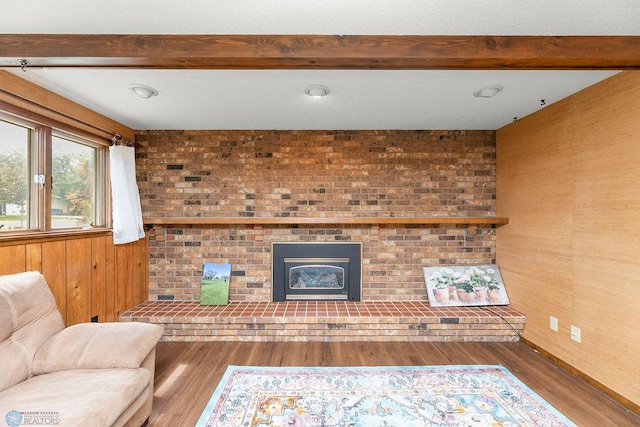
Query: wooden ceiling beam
point(385, 52)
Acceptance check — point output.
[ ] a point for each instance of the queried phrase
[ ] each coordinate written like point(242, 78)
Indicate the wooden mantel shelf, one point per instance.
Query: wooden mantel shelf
point(326, 221)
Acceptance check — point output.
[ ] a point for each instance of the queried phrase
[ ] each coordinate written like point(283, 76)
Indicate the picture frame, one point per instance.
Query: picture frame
point(216, 280)
point(466, 285)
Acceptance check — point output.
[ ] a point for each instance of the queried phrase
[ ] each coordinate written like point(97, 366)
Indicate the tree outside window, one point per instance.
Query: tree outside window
point(74, 184)
point(14, 177)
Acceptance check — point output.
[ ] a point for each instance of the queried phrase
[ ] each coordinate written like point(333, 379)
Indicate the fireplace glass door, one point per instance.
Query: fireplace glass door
point(316, 271)
point(312, 278)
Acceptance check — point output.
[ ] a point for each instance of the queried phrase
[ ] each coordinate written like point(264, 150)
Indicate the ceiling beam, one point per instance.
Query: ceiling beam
point(321, 51)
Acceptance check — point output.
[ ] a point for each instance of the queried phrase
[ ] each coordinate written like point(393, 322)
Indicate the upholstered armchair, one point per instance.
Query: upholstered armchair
point(91, 374)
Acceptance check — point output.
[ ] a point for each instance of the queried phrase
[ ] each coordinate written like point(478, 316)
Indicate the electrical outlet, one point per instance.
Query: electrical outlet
point(575, 334)
point(553, 323)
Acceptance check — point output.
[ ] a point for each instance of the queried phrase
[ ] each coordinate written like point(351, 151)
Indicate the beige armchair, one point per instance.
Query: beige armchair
point(91, 374)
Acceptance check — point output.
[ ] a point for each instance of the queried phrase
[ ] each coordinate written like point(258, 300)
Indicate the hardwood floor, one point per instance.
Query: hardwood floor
point(187, 373)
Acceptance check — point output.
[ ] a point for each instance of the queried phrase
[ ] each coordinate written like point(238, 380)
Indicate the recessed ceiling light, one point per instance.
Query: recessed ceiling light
point(143, 91)
point(317, 91)
point(488, 91)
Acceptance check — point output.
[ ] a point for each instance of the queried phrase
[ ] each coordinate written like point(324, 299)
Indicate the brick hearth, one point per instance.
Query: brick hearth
point(329, 321)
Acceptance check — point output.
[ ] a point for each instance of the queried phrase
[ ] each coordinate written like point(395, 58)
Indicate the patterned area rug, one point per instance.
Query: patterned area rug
point(473, 395)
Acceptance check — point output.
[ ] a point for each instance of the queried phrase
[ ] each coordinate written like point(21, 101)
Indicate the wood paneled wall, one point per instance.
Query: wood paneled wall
point(89, 276)
point(568, 179)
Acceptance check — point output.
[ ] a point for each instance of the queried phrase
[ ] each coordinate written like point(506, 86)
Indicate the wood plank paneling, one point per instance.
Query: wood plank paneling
point(140, 278)
point(98, 279)
point(83, 274)
point(79, 273)
point(54, 268)
point(110, 278)
point(34, 257)
point(12, 259)
point(568, 179)
point(124, 270)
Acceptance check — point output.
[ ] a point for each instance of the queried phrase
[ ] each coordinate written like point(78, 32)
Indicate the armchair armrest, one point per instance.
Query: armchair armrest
point(97, 345)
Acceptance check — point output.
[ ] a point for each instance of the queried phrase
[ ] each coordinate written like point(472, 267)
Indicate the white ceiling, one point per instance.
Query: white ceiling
point(427, 17)
point(359, 99)
point(275, 99)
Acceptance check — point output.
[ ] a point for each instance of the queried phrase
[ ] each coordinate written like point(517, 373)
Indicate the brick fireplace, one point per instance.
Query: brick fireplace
point(235, 193)
point(314, 174)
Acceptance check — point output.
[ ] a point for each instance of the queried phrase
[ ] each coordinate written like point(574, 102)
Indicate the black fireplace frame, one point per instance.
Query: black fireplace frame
point(286, 251)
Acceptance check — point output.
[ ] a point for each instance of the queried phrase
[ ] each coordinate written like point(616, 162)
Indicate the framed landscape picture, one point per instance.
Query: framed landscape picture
point(215, 284)
point(465, 285)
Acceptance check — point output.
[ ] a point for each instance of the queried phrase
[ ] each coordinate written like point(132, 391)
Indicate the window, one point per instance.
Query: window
point(50, 179)
point(15, 141)
point(73, 184)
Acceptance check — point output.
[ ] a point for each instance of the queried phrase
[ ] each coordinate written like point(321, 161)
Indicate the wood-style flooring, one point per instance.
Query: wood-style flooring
point(187, 373)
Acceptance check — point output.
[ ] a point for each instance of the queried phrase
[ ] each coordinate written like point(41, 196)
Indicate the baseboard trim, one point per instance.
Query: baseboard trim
point(584, 377)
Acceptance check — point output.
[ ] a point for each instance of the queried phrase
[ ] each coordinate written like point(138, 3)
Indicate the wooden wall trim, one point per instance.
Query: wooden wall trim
point(40, 237)
point(584, 377)
point(321, 51)
point(325, 221)
point(34, 99)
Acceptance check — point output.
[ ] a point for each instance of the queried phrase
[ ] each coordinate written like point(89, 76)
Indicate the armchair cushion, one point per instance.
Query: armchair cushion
point(97, 345)
point(83, 397)
point(28, 317)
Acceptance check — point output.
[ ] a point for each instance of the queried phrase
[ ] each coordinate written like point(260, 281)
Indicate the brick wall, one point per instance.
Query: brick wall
point(314, 174)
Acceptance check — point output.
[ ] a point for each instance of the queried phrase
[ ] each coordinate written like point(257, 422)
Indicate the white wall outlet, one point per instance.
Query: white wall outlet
point(553, 323)
point(575, 334)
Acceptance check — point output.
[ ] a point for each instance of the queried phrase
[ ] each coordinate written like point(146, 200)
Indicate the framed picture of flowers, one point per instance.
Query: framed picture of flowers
point(465, 285)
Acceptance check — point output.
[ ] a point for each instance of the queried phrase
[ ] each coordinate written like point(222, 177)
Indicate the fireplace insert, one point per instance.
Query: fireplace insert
point(316, 271)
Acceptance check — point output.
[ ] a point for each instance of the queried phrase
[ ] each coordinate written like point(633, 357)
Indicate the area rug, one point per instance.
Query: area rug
point(408, 396)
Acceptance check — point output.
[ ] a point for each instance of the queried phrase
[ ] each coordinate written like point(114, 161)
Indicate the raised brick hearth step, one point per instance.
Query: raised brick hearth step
point(328, 321)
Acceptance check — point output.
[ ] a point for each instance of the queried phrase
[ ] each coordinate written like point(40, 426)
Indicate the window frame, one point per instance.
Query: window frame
point(40, 163)
point(101, 177)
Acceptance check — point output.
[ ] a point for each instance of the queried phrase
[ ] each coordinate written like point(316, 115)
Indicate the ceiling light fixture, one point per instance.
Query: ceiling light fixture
point(317, 91)
point(144, 92)
point(488, 91)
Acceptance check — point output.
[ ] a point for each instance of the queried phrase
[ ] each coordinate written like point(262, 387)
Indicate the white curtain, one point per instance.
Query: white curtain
point(127, 215)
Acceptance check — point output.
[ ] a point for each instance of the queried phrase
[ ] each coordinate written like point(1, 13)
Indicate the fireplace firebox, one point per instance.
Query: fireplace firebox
point(316, 271)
